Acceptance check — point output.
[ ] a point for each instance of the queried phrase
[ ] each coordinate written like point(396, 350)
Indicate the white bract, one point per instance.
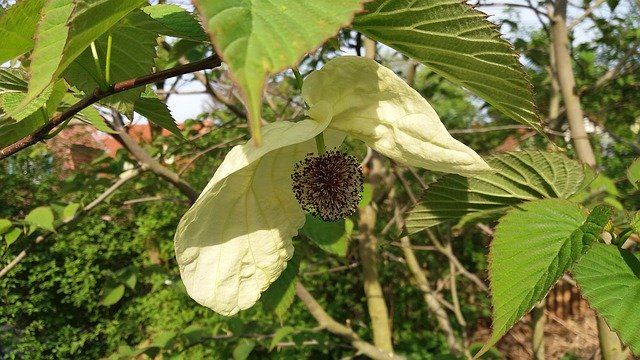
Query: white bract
point(237, 237)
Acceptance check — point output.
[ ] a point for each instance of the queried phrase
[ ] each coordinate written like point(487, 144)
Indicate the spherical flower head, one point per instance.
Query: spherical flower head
point(329, 186)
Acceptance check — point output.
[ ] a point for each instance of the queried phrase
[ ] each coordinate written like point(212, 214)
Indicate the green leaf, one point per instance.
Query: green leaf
point(367, 195)
point(332, 237)
point(17, 27)
point(41, 217)
point(5, 225)
point(279, 335)
point(13, 132)
point(257, 38)
point(633, 173)
point(457, 42)
point(132, 54)
point(532, 247)
point(165, 339)
point(156, 111)
point(128, 277)
point(51, 36)
point(243, 349)
point(12, 80)
point(609, 278)
point(112, 295)
point(89, 115)
point(173, 20)
point(12, 236)
point(88, 21)
point(69, 211)
point(14, 104)
point(279, 296)
point(520, 176)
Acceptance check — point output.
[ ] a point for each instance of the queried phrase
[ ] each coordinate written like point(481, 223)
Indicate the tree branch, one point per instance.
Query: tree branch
point(97, 95)
point(147, 162)
point(327, 322)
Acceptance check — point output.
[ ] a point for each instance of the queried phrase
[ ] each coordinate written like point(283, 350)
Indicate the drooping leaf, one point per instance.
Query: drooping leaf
point(279, 335)
point(156, 111)
point(279, 296)
point(609, 278)
point(12, 236)
point(257, 38)
point(458, 42)
point(533, 246)
point(243, 349)
point(132, 54)
point(41, 217)
point(173, 20)
point(89, 115)
point(519, 176)
point(112, 294)
point(332, 237)
point(17, 27)
point(51, 36)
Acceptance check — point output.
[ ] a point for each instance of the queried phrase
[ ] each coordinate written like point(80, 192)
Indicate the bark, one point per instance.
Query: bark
point(335, 327)
point(566, 79)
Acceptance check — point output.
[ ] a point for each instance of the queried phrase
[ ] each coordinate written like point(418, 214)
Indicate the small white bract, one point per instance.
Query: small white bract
point(236, 239)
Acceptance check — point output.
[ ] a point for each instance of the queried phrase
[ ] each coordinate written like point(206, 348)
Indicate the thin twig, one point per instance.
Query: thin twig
point(327, 322)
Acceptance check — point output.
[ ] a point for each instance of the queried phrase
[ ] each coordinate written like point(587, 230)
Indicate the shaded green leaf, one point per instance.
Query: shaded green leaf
point(173, 20)
point(532, 247)
point(279, 296)
point(157, 112)
point(12, 80)
point(609, 278)
point(332, 237)
point(164, 339)
point(279, 335)
point(132, 54)
point(520, 176)
point(112, 295)
point(459, 43)
point(12, 236)
point(15, 131)
point(257, 38)
point(17, 27)
point(243, 349)
point(41, 217)
point(5, 225)
point(88, 21)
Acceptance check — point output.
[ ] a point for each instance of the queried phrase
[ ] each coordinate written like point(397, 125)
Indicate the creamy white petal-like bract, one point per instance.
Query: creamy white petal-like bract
point(371, 103)
point(236, 239)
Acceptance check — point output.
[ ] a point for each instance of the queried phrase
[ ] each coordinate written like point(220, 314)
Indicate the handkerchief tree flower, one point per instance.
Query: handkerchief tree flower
point(237, 238)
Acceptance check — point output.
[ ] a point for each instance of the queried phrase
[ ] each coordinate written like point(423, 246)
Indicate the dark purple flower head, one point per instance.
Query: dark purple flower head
point(328, 186)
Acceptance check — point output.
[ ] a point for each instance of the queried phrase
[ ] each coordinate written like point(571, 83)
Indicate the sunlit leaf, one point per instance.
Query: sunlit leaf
point(458, 42)
point(41, 217)
point(257, 38)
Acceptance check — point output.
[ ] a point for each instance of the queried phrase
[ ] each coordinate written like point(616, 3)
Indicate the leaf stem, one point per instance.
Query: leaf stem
point(320, 144)
point(107, 66)
point(96, 61)
point(298, 76)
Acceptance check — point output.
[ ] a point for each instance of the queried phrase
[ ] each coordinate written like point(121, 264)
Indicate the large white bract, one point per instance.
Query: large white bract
point(236, 239)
